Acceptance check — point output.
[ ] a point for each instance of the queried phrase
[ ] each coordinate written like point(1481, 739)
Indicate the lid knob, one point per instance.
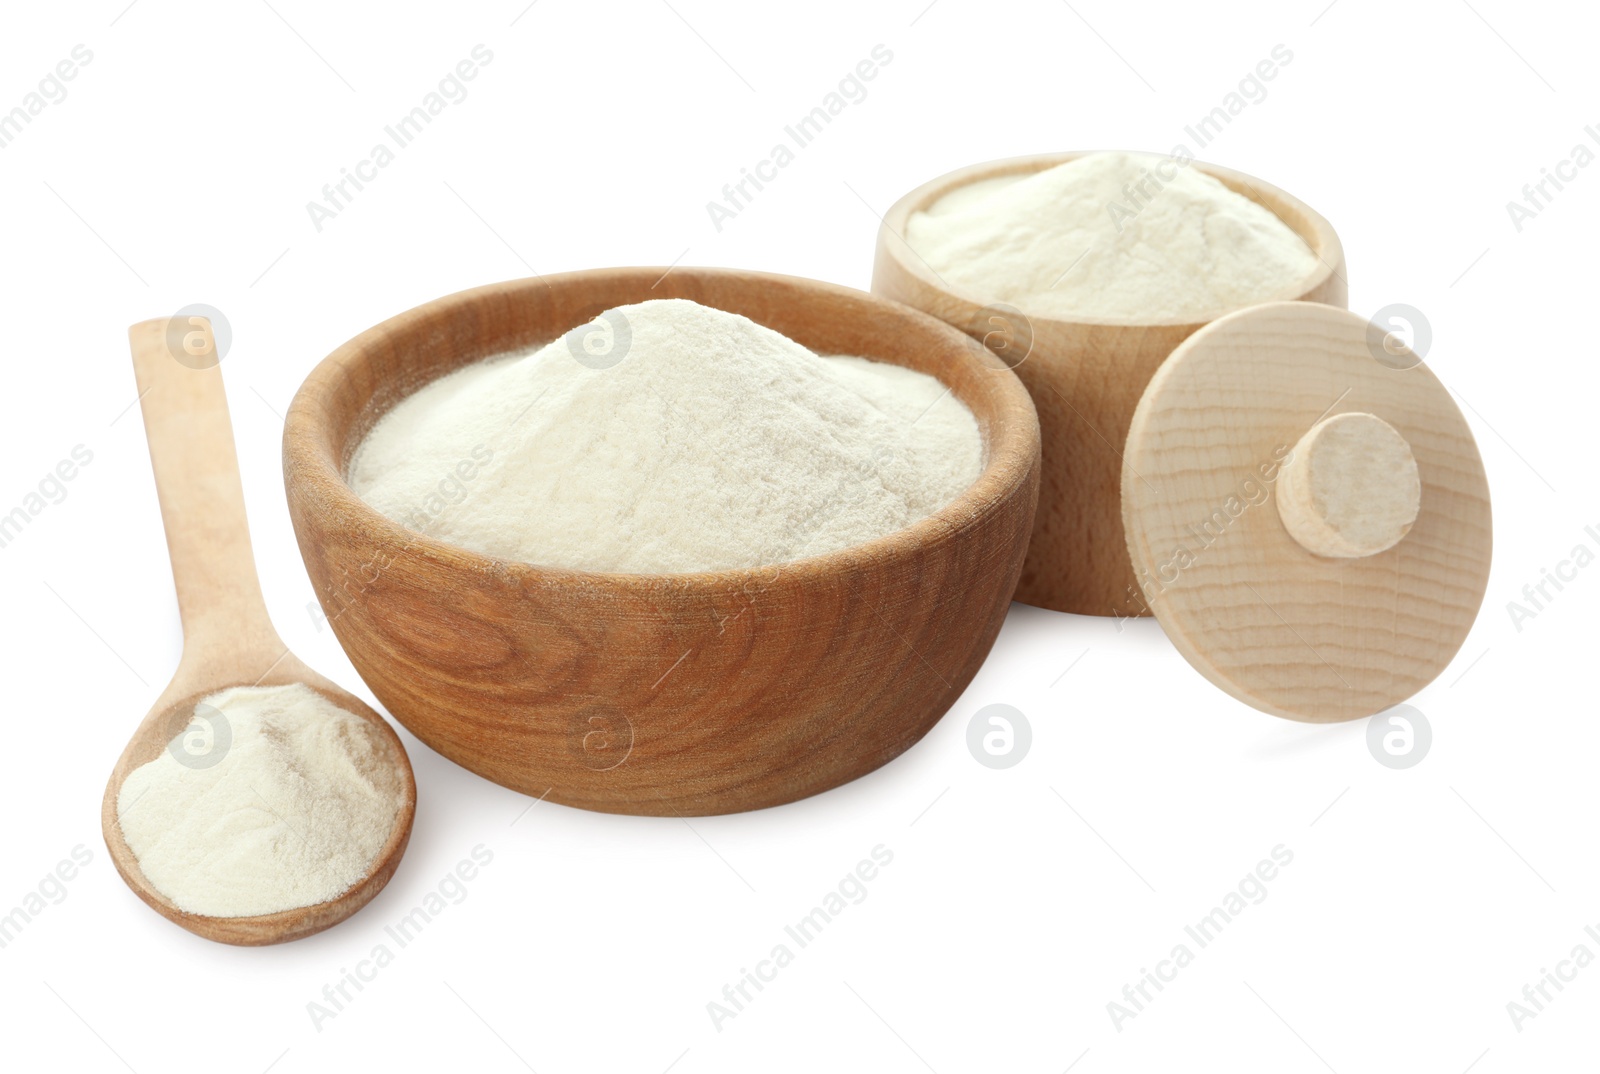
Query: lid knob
point(1351, 487)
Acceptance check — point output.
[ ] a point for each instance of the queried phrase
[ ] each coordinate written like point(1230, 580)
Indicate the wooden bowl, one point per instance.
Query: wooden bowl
point(1086, 378)
point(669, 694)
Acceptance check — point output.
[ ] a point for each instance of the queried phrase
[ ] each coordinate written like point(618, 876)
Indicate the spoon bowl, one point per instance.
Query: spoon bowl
point(228, 637)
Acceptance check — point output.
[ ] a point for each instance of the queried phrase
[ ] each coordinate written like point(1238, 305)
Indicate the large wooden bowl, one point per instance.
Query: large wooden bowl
point(671, 694)
point(1086, 377)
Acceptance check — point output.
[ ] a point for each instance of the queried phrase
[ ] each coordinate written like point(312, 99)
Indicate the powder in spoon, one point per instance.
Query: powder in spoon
point(667, 437)
point(1114, 236)
point(273, 798)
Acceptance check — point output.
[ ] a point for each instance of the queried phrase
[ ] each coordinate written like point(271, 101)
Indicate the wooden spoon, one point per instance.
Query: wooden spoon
point(228, 637)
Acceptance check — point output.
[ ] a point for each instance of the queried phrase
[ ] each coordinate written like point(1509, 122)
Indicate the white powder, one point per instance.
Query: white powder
point(1082, 239)
point(667, 437)
point(292, 814)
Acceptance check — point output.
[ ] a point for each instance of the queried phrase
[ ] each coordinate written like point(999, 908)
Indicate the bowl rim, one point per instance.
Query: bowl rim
point(1313, 228)
point(311, 464)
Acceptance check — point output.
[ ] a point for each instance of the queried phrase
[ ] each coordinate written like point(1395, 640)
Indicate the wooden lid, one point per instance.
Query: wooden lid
point(1234, 458)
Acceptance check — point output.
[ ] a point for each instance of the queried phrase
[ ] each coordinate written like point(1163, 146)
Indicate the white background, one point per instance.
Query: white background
point(1019, 902)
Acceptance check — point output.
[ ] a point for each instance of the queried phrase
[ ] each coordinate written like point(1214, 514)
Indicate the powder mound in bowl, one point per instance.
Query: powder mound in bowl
point(1116, 236)
point(273, 798)
point(668, 437)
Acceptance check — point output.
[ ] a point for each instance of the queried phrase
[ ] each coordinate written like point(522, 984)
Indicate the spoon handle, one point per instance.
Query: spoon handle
point(225, 621)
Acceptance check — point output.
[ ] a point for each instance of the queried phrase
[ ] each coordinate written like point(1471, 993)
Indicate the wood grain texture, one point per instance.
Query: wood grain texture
point(1292, 633)
point(1085, 378)
point(228, 638)
point(677, 694)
